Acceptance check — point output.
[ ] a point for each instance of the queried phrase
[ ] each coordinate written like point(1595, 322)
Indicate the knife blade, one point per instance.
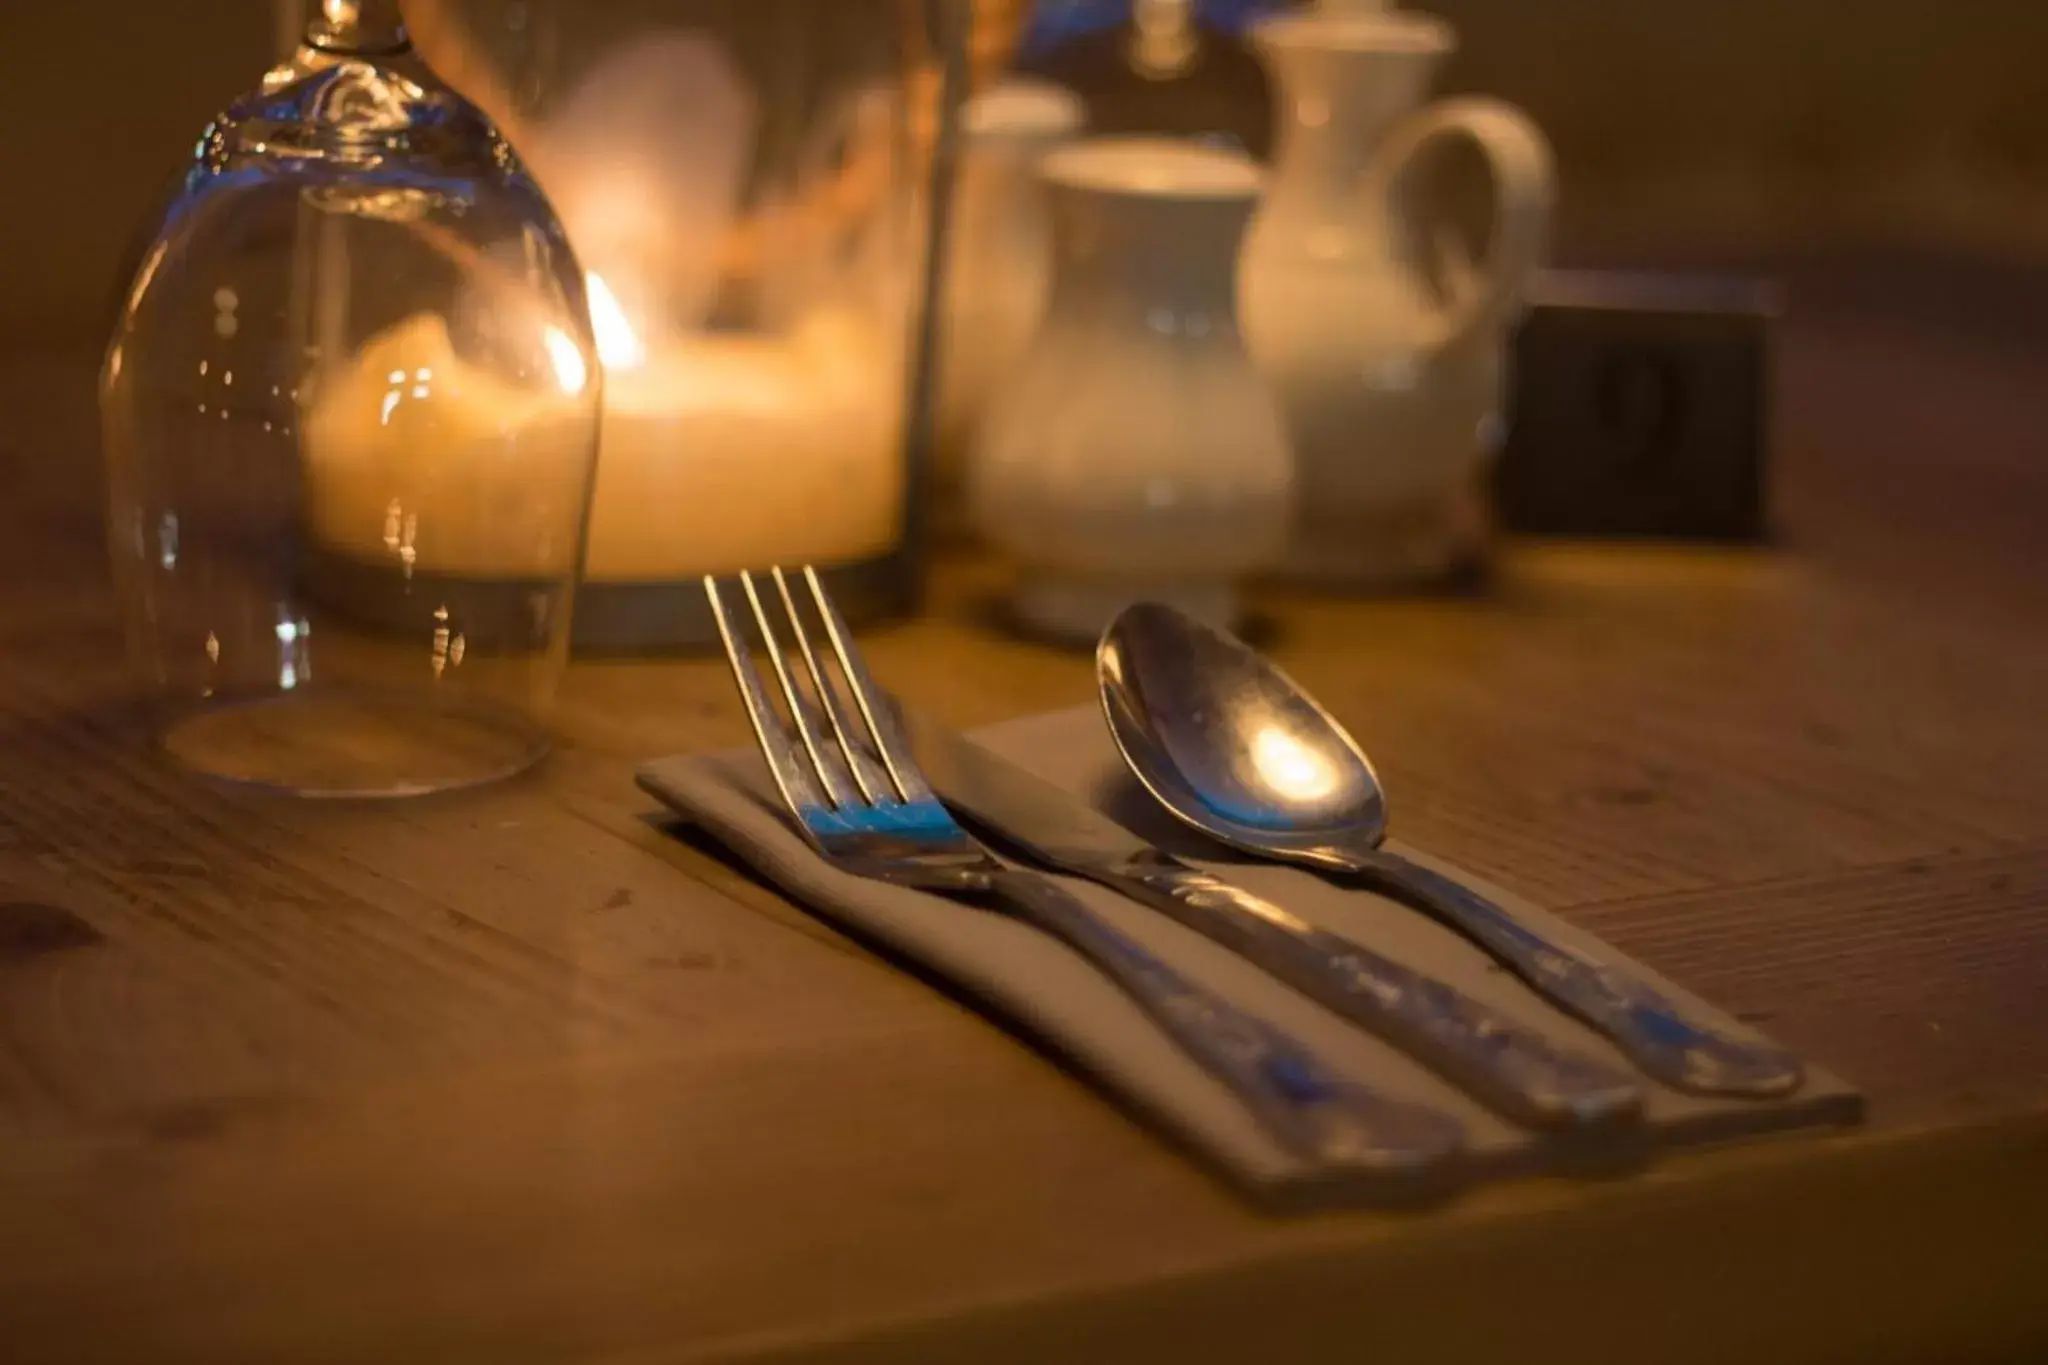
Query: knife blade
point(1511, 1068)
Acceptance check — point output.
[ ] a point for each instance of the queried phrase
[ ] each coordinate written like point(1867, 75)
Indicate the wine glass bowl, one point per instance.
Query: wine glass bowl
point(350, 412)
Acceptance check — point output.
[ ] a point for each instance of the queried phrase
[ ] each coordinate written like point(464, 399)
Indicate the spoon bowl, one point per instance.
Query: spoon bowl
point(1230, 744)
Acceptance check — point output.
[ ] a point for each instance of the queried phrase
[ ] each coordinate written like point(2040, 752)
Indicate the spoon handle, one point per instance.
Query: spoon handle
point(1339, 1124)
point(1512, 1069)
point(1657, 1033)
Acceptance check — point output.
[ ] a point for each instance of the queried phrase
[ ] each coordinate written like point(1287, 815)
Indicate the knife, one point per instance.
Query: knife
point(1507, 1066)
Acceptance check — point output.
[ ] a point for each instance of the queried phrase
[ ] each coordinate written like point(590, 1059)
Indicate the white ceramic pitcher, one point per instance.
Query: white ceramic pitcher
point(1388, 358)
point(1134, 453)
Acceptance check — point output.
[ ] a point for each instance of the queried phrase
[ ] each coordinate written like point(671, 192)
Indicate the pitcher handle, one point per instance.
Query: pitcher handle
point(1525, 188)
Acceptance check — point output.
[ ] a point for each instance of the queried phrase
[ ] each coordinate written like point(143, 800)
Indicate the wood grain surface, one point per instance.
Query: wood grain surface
point(522, 1076)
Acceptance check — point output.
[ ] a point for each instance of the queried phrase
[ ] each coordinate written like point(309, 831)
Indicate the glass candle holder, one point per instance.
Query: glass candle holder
point(755, 192)
point(350, 411)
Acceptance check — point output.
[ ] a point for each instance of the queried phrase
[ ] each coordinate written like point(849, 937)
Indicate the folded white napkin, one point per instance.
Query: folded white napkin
point(1037, 986)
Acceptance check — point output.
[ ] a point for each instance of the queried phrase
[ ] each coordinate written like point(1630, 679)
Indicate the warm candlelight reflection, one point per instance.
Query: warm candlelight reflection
point(618, 345)
point(1291, 768)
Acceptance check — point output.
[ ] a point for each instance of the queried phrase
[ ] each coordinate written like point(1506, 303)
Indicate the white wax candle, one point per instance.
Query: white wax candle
point(716, 453)
point(732, 452)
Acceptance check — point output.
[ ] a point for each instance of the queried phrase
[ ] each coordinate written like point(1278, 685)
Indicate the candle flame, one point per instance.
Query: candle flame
point(618, 346)
point(1294, 769)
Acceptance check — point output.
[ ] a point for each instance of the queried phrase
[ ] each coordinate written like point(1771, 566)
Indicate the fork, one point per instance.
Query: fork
point(859, 799)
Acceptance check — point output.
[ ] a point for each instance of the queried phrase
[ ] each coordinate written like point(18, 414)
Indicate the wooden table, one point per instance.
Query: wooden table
point(520, 1077)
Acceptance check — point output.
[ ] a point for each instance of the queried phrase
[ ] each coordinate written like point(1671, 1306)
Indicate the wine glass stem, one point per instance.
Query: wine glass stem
point(366, 26)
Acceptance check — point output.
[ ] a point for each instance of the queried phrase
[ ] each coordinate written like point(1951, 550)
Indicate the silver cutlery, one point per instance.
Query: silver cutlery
point(859, 798)
point(1513, 1069)
point(1235, 748)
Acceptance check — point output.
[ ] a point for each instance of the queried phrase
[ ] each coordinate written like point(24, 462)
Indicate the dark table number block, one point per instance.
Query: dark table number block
point(1640, 408)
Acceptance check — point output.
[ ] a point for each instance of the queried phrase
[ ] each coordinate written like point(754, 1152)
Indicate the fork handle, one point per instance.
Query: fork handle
point(1315, 1112)
point(1658, 1034)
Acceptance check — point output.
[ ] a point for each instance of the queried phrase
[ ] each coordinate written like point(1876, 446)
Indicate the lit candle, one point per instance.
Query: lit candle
point(731, 452)
point(716, 452)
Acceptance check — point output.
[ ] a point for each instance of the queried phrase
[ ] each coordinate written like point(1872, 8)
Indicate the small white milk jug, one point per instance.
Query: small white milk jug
point(1135, 453)
point(1383, 341)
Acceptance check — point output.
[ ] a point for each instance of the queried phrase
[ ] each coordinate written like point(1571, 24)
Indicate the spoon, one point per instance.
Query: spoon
point(1235, 748)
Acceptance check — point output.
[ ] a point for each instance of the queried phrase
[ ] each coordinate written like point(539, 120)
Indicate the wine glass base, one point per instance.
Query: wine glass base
point(351, 745)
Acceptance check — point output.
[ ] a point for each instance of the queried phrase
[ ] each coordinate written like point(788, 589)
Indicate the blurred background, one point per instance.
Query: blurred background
point(1720, 131)
point(1887, 162)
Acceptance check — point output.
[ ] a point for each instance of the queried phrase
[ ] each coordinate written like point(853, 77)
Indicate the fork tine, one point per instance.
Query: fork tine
point(824, 761)
point(874, 707)
point(867, 773)
point(798, 791)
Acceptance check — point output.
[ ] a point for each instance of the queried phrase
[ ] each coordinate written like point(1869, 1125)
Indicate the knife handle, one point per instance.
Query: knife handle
point(1335, 1122)
point(1511, 1068)
point(1661, 1036)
